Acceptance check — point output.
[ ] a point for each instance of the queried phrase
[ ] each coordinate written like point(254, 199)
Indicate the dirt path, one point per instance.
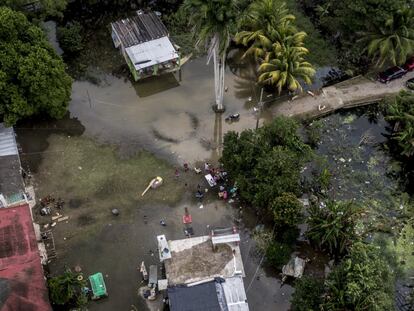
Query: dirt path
point(357, 91)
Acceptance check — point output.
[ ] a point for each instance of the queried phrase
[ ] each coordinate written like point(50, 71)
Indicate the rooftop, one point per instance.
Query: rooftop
point(22, 284)
point(11, 181)
point(152, 52)
point(217, 295)
point(138, 29)
point(193, 260)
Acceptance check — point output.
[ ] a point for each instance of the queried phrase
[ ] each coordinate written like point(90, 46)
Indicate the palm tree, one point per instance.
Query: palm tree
point(285, 65)
point(267, 21)
point(214, 22)
point(394, 40)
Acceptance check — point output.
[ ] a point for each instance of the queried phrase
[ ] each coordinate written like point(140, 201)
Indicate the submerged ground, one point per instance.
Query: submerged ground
point(94, 160)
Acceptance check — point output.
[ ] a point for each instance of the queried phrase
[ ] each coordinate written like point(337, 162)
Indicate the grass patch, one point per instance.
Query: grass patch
point(92, 179)
point(321, 52)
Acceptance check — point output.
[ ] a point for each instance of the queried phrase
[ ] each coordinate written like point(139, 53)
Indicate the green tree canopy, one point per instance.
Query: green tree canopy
point(346, 20)
point(269, 33)
point(66, 289)
point(285, 67)
point(265, 163)
point(44, 7)
point(363, 281)
point(287, 210)
point(32, 76)
point(393, 41)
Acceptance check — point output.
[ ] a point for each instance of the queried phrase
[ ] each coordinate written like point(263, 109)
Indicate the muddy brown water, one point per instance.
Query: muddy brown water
point(174, 121)
point(161, 115)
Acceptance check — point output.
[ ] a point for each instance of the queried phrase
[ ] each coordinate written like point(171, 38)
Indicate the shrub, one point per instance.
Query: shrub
point(286, 210)
point(70, 38)
point(66, 289)
point(363, 281)
point(308, 294)
point(332, 226)
point(278, 254)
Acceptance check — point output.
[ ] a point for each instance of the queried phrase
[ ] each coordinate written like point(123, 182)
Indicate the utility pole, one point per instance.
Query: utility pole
point(259, 112)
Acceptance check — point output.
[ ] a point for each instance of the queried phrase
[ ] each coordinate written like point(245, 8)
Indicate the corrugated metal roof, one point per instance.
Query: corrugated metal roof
point(8, 144)
point(152, 52)
point(235, 294)
point(11, 180)
point(140, 28)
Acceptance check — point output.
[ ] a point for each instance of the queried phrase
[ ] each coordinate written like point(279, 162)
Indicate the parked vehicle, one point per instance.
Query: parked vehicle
point(409, 64)
point(233, 117)
point(410, 84)
point(391, 74)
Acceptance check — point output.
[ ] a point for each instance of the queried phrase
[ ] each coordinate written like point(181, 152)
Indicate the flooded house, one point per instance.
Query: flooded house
point(144, 42)
point(22, 249)
point(204, 273)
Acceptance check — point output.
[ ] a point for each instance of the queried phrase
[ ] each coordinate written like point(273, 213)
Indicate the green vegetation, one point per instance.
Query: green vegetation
point(33, 80)
point(392, 42)
point(389, 38)
point(321, 51)
point(286, 68)
point(266, 166)
point(271, 36)
point(363, 281)
point(97, 180)
point(400, 112)
point(287, 210)
point(265, 163)
point(70, 38)
point(42, 8)
point(332, 226)
point(66, 290)
point(308, 294)
point(278, 254)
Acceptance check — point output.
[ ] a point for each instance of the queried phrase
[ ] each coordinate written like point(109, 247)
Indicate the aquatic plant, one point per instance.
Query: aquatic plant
point(332, 226)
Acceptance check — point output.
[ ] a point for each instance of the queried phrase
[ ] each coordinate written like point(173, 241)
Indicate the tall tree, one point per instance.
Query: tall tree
point(265, 22)
point(32, 76)
point(285, 65)
point(214, 22)
point(393, 41)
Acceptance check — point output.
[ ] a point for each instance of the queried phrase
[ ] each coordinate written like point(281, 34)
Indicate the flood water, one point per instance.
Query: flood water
point(174, 120)
point(161, 115)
